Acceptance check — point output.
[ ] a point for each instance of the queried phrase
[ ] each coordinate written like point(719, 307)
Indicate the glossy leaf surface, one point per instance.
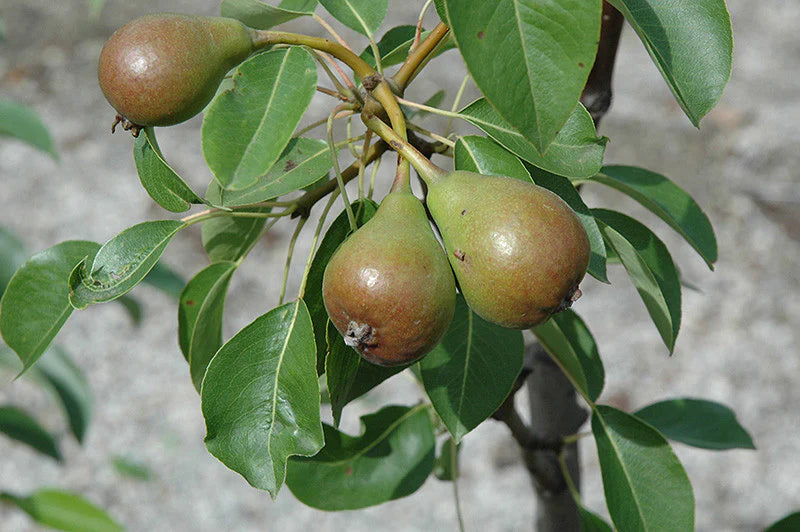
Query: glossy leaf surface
point(165, 186)
point(390, 459)
point(668, 201)
point(260, 397)
point(122, 263)
point(650, 267)
point(200, 313)
point(576, 151)
point(469, 374)
point(246, 128)
point(547, 49)
point(36, 302)
point(569, 342)
point(485, 156)
point(645, 484)
point(698, 423)
point(303, 162)
point(228, 238)
point(363, 16)
point(263, 16)
point(690, 42)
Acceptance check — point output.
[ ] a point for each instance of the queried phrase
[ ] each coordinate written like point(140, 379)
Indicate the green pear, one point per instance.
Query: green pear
point(162, 69)
point(388, 288)
point(518, 251)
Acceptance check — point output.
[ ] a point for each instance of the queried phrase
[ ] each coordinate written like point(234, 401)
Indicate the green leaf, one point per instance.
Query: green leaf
point(2, 30)
point(671, 203)
point(12, 255)
point(363, 16)
point(246, 129)
point(543, 49)
point(564, 189)
point(165, 279)
point(690, 42)
point(485, 156)
point(18, 425)
point(57, 372)
point(441, 10)
point(697, 422)
point(396, 43)
point(348, 375)
point(121, 263)
point(64, 510)
point(446, 465)
point(645, 484)
point(130, 468)
point(158, 179)
point(302, 163)
point(391, 459)
point(790, 523)
point(577, 151)
point(20, 122)
point(69, 383)
point(337, 232)
point(591, 522)
point(649, 266)
point(228, 238)
point(568, 341)
point(36, 302)
point(200, 313)
point(260, 397)
point(259, 15)
point(469, 374)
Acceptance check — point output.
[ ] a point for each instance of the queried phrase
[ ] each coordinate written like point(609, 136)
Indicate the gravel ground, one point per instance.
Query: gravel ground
point(738, 344)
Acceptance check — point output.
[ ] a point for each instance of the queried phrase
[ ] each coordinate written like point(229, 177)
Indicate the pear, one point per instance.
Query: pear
point(388, 288)
point(162, 69)
point(518, 251)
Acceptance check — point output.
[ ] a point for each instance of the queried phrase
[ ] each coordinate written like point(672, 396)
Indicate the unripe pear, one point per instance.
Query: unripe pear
point(388, 288)
point(517, 250)
point(162, 69)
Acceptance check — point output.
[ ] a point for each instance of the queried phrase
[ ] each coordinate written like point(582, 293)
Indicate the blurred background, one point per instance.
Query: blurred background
point(738, 344)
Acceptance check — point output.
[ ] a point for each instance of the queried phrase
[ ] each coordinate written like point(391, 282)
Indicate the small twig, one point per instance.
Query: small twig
point(322, 22)
point(418, 32)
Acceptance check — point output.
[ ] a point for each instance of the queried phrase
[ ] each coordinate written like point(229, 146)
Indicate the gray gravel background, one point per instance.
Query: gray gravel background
point(738, 344)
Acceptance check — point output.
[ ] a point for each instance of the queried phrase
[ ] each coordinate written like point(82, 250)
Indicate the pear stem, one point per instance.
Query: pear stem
point(402, 178)
point(371, 79)
point(420, 55)
point(429, 172)
point(337, 170)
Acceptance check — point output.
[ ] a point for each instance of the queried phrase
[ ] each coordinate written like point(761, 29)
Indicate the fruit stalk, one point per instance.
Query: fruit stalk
point(419, 56)
point(429, 172)
point(379, 88)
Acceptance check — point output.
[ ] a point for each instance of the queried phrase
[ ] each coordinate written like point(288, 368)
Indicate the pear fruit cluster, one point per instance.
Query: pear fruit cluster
point(388, 288)
point(517, 250)
point(162, 69)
